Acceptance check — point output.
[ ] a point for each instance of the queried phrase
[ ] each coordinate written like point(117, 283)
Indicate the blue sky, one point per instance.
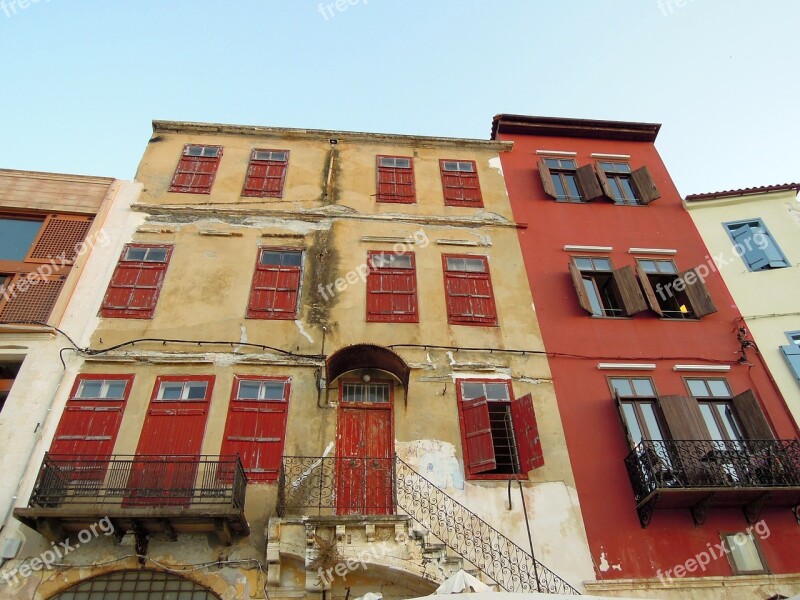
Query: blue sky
point(82, 79)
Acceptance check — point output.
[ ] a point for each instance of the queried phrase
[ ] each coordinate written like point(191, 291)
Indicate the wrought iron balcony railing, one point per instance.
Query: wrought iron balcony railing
point(698, 474)
point(143, 481)
point(380, 486)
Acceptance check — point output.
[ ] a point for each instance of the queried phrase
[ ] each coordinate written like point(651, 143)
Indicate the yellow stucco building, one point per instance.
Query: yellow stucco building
point(315, 371)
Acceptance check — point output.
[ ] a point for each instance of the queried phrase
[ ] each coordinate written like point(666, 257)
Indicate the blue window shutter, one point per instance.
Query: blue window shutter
point(755, 258)
point(792, 354)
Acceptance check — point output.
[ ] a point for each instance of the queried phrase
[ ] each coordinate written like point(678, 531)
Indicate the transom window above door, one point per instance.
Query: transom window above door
point(373, 393)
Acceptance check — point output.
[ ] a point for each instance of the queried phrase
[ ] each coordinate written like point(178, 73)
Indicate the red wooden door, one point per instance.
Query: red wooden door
point(364, 455)
point(167, 457)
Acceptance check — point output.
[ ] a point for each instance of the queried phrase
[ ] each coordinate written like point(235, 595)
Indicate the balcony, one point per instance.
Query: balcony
point(699, 474)
point(146, 495)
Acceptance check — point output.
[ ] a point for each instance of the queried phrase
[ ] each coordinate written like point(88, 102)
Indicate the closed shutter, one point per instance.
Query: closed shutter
point(580, 290)
point(396, 184)
point(632, 299)
point(195, 174)
point(134, 288)
point(649, 292)
point(265, 178)
point(752, 417)
point(526, 433)
point(792, 355)
point(274, 292)
point(34, 304)
point(461, 188)
point(645, 186)
point(60, 239)
point(698, 295)
point(547, 179)
point(480, 455)
point(391, 294)
point(604, 184)
point(683, 418)
point(470, 298)
point(587, 181)
point(255, 431)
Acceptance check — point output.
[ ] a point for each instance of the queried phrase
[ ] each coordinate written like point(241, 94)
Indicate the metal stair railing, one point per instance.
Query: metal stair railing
point(465, 533)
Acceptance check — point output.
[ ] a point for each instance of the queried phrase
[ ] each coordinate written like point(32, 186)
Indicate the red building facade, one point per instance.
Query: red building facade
point(677, 436)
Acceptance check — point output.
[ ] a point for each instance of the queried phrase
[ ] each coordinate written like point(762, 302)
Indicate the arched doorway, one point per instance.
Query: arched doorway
point(153, 585)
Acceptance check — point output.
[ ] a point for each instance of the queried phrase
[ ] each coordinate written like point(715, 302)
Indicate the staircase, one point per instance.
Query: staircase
point(465, 533)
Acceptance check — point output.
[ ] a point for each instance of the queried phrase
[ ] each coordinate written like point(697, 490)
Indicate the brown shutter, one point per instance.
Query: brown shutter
point(649, 292)
point(683, 417)
point(59, 239)
point(631, 442)
point(34, 304)
point(604, 185)
point(526, 432)
point(577, 281)
point(645, 185)
point(632, 300)
point(698, 295)
point(587, 180)
point(752, 417)
point(547, 180)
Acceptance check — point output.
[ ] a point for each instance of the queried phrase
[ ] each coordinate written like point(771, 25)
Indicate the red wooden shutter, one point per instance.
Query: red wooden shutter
point(135, 286)
point(526, 432)
point(461, 188)
point(195, 174)
point(59, 239)
point(478, 439)
point(265, 178)
point(395, 184)
point(391, 292)
point(275, 291)
point(470, 298)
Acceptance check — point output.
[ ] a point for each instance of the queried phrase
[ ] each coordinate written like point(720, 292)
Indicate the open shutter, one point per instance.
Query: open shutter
point(478, 436)
point(698, 295)
point(649, 292)
point(60, 238)
point(792, 355)
point(645, 185)
point(604, 185)
point(683, 417)
point(587, 180)
point(752, 417)
point(577, 281)
point(632, 300)
point(547, 179)
point(526, 432)
point(754, 256)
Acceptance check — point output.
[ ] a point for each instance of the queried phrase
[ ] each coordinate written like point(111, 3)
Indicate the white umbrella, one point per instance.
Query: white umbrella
point(371, 596)
point(462, 582)
point(526, 596)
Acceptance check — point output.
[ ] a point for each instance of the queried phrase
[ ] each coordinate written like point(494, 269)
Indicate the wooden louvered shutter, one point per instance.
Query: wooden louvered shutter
point(604, 184)
point(577, 281)
point(683, 417)
point(526, 433)
point(698, 294)
point(649, 292)
point(632, 299)
point(479, 449)
point(587, 181)
point(547, 179)
point(645, 186)
point(752, 417)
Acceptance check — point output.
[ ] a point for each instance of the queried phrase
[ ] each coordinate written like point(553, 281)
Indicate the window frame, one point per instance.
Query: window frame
point(395, 198)
point(621, 286)
point(453, 199)
point(277, 315)
point(119, 312)
point(263, 192)
point(680, 298)
point(759, 551)
point(713, 401)
point(185, 160)
point(458, 319)
point(373, 273)
point(791, 352)
point(636, 400)
point(732, 226)
point(278, 407)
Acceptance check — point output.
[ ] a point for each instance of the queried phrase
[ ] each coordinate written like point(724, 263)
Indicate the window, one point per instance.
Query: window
point(8, 373)
point(256, 425)
point(500, 435)
point(468, 287)
point(460, 183)
point(604, 292)
point(396, 180)
point(672, 294)
point(755, 245)
point(792, 353)
point(196, 169)
point(370, 393)
point(28, 242)
point(392, 288)
point(276, 284)
point(170, 391)
point(565, 182)
point(728, 417)
point(638, 405)
point(744, 554)
point(266, 174)
point(624, 186)
point(136, 282)
point(90, 422)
